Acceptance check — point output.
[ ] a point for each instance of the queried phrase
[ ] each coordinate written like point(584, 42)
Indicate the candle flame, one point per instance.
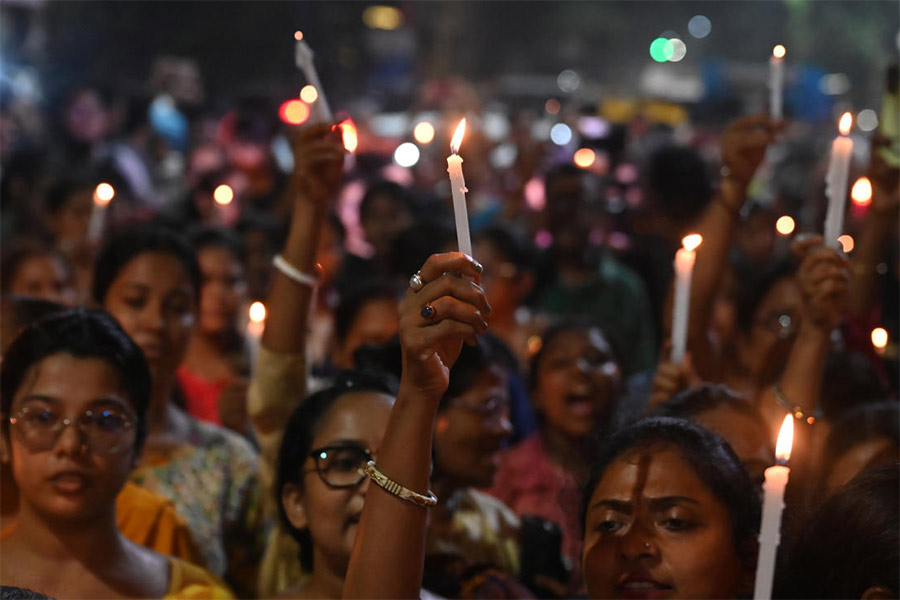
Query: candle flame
point(862, 192)
point(309, 94)
point(298, 35)
point(692, 241)
point(785, 225)
point(785, 439)
point(349, 135)
point(458, 136)
point(846, 123)
point(104, 193)
point(223, 195)
point(879, 338)
point(778, 51)
point(257, 312)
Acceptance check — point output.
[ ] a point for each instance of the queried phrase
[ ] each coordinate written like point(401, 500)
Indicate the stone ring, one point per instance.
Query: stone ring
point(427, 312)
point(416, 282)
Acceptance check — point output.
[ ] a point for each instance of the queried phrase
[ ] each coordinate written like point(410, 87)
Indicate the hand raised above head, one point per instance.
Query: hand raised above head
point(824, 280)
point(318, 161)
point(437, 317)
point(744, 145)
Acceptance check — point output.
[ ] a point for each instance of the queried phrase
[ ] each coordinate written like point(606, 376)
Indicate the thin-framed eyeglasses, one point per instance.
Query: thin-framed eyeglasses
point(341, 466)
point(104, 430)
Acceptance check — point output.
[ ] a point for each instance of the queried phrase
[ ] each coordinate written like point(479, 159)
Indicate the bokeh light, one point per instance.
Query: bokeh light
point(349, 135)
point(847, 243)
point(861, 193)
point(257, 312)
point(104, 193)
point(552, 106)
point(675, 49)
point(584, 158)
point(699, 26)
point(879, 338)
point(779, 51)
point(407, 154)
point(867, 120)
point(309, 93)
point(382, 17)
point(568, 81)
point(657, 49)
point(561, 134)
point(223, 195)
point(785, 225)
point(294, 112)
point(424, 132)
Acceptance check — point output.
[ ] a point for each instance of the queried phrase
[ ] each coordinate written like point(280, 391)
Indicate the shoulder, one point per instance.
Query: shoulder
point(187, 581)
point(612, 270)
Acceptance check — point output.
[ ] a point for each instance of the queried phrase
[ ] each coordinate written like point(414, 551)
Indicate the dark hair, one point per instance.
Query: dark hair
point(11, 592)
point(17, 252)
point(866, 423)
point(300, 431)
point(694, 401)
point(578, 324)
point(81, 333)
point(511, 245)
point(849, 544)
point(711, 458)
point(396, 192)
point(352, 304)
point(218, 237)
point(678, 180)
point(17, 312)
point(753, 289)
point(124, 247)
point(63, 190)
point(472, 362)
point(338, 226)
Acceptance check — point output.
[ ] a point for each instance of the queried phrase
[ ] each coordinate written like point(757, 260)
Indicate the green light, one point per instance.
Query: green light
point(668, 50)
point(658, 49)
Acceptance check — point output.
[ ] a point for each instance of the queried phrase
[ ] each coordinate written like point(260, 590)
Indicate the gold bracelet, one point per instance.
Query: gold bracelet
point(796, 411)
point(392, 487)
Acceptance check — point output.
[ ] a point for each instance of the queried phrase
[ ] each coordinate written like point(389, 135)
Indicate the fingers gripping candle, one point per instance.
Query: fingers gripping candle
point(773, 506)
point(458, 190)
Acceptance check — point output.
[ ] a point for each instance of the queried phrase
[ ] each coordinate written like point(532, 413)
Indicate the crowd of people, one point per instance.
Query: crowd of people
point(411, 421)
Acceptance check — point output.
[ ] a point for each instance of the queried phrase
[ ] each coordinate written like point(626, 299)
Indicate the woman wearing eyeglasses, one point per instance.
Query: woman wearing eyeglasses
point(321, 484)
point(75, 391)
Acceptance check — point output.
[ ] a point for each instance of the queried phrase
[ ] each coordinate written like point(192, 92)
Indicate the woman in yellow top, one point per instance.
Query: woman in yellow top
point(79, 368)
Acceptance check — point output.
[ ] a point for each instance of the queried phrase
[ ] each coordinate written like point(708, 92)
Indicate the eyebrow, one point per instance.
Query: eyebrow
point(656, 504)
point(103, 401)
point(344, 443)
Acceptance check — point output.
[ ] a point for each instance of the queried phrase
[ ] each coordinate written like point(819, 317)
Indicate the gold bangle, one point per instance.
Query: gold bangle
point(392, 487)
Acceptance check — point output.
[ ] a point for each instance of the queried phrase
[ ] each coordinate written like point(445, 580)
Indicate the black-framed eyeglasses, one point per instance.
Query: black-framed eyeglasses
point(341, 465)
point(105, 430)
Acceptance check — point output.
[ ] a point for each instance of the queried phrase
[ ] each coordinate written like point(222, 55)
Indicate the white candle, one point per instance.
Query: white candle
point(255, 326)
point(458, 190)
point(103, 195)
point(773, 506)
point(684, 268)
point(836, 182)
point(303, 58)
point(776, 81)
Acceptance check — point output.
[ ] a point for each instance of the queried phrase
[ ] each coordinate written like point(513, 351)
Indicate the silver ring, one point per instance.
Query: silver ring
point(416, 282)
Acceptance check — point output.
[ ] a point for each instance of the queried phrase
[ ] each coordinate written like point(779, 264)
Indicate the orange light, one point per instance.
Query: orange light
point(861, 193)
point(309, 94)
point(349, 135)
point(692, 242)
point(778, 51)
point(879, 338)
point(257, 312)
point(423, 132)
point(456, 141)
point(846, 123)
point(298, 35)
point(552, 106)
point(294, 112)
point(785, 439)
point(785, 225)
point(104, 193)
point(584, 158)
point(847, 243)
point(223, 195)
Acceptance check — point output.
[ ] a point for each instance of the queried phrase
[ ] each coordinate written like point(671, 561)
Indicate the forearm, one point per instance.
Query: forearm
point(389, 552)
point(289, 301)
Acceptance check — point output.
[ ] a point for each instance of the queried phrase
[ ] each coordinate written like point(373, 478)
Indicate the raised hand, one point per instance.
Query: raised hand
point(318, 161)
point(744, 145)
point(436, 319)
point(824, 280)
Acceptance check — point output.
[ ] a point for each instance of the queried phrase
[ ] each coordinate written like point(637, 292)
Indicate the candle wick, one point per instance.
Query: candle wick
point(781, 462)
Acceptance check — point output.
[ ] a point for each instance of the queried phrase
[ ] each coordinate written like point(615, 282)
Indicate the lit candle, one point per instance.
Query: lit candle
point(684, 267)
point(773, 506)
point(253, 335)
point(223, 196)
point(303, 58)
point(776, 81)
point(458, 190)
point(836, 182)
point(103, 195)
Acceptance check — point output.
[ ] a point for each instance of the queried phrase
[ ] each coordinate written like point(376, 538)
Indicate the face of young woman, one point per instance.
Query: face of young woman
point(77, 475)
point(577, 380)
point(471, 430)
point(654, 530)
point(43, 276)
point(355, 421)
point(223, 292)
point(153, 300)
